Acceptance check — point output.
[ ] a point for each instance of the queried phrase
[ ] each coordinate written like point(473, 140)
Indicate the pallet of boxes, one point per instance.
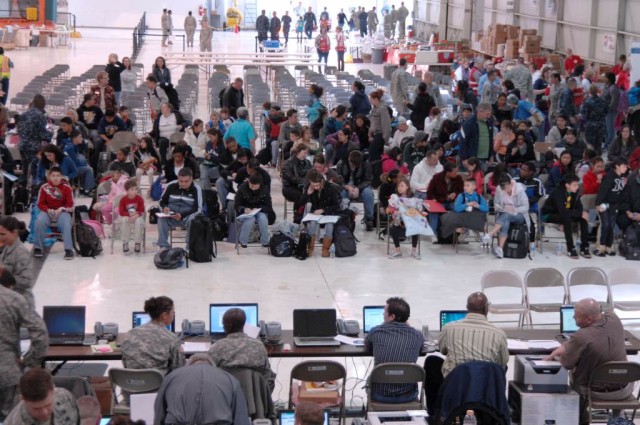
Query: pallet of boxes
point(496, 34)
point(530, 48)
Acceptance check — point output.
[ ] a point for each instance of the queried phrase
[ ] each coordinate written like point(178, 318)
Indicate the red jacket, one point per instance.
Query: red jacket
point(53, 197)
point(478, 176)
point(634, 159)
point(571, 62)
point(590, 184)
point(438, 187)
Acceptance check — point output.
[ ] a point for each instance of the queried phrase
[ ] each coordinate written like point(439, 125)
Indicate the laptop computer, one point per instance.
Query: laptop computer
point(216, 311)
point(139, 318)
point(448, 316)
point(315, 328)
point(568, 325)
point(372, 315)
point(288, 417)
point(65, 324)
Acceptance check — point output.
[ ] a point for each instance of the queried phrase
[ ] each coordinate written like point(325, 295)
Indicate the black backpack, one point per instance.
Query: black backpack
point(153, 214)
point(221, 96)
point(201, 243)
point(302, 248)
point(630, 244)
point(85, 241)
point(281, 245)
point(264, 155)
point(343, 240)
point(20, 199)
point(517, 244)
point(220, 228)
point(211, 207)
point(171, 258)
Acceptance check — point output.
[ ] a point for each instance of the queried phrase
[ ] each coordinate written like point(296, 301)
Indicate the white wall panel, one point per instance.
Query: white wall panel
point(607, 13)
point(578, 11)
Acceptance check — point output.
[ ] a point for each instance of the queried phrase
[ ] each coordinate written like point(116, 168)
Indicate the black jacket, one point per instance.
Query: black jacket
point(127, 167)
point(361, 176)
point(243, 175)
point(247, 198)
point(519, 158)
point(170, 173)
point(294, 172)
point(184, 201)
point(114, 70)
point(327, 199)
point(630, 198)
point(420, 108)
point(226, 157)
point(610, 189)
point(233, 99)
point(471, 136)
point(384, 193)
point(90, 117)
point(555, 204)
point(137, 155)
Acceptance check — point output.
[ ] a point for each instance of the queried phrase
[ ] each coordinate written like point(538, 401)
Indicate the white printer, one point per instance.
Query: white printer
point(406, 417)
point(534, 374)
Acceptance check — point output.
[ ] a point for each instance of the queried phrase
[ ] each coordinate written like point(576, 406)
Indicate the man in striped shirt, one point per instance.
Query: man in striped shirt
point(470, 339)
point(392, 342)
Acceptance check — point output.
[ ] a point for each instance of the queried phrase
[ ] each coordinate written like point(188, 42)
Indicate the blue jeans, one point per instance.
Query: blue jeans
point(328, 152)
point(434, 219)
point(275, 150)
point(610, 122)
point(401, 398)
point(505, 220)
point(118, 97)
point(223, 186)
point(208, 173)
point(85, 173)
point(312, 228)
point(366, 196)
point(164, 224)
point(247, 225)
point(43, 222)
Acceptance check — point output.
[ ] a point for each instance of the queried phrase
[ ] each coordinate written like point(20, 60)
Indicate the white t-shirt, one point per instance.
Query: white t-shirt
point(168, 125)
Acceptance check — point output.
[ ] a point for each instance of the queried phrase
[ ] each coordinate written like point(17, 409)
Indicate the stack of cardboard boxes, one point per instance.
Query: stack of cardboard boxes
point(517, 41)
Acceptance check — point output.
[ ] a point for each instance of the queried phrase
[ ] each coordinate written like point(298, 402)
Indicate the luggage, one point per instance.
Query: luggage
point(630, 244)
point(210, 203)
point(201, 243)
point(171, 258)
point(517, 244)
point(281, 245)
point(343, 240)
point(302, 248)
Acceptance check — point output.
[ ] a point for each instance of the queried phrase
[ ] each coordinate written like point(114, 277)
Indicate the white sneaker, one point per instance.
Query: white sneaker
point(486, 239)
point(395, 255)
point(497, 251)
point(415, 256)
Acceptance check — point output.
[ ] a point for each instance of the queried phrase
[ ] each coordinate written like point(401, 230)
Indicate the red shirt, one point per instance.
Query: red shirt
point(578, 96)
point(571, 62)
point(623, 80)
point(127, 205)
point(53, 197)
point(590, 184)
point(617, 69)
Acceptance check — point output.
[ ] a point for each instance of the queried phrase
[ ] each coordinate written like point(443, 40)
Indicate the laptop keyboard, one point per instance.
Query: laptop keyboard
point(315, 339)
point(65, 341)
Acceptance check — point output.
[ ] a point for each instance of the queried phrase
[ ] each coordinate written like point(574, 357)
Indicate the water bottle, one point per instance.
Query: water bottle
point(559, 249)
point(533, 249)
point(332, 251)
point(470, 418)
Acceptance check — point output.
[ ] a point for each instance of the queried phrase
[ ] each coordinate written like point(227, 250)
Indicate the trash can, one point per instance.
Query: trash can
point(377, 55)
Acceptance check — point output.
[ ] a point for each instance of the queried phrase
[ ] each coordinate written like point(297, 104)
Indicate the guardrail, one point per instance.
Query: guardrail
point(138, 36)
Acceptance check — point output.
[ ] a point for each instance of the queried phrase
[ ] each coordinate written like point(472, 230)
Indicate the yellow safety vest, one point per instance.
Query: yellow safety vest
point(5, 70)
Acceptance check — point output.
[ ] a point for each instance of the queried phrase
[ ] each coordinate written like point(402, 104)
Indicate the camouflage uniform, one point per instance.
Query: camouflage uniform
point(65, 412)
point(521, 78)
point(18, 261)
point(15, 313)
point(152, 346)
point(402, 15)
point(387, 23)
point(594, 111)
point(33, 131)
point(240, 350)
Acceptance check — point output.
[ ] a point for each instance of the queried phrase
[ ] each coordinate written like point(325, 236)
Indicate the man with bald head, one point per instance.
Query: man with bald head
point(238, 350)
point(599, 340)
point(433, 89)
point(473, 338)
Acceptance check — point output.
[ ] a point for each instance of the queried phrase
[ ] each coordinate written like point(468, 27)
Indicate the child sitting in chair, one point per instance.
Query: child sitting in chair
point(469, 212)
point(131, 211)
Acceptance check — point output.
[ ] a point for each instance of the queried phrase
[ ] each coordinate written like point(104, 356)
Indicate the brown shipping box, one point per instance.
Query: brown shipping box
point(327, 398)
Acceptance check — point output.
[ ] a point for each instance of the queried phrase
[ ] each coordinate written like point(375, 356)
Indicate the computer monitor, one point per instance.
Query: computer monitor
point(372, 315)
point(216, 311)
point(448, 316)
point(139, 318)
point(287, 417)
point(314, 323)
point(567, 321)
point(64, 321)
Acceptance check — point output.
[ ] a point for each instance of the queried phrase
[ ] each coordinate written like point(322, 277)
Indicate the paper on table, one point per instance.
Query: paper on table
point(311, 217)
point(252, 331)
point(543, 363)
point(343, 339)
point(516, 344)
point(249, 214)
point(546, 344)
point(195, 347)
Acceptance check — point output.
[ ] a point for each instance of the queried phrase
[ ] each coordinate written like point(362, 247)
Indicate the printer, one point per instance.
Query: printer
point(406, 417)
point(534, 374)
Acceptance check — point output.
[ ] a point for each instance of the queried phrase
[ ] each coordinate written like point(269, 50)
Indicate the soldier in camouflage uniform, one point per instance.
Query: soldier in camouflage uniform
point(14, 314)
point(387, 23)
point(42, 403)
point(521, 78)
point(152, 346)
point(240, 350)
point(594, 112)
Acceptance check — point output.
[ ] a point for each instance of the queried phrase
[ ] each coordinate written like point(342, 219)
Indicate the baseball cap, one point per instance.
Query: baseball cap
point(419, 136)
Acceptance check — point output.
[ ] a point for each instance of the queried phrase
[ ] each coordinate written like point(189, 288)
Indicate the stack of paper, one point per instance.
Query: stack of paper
point(195, 347)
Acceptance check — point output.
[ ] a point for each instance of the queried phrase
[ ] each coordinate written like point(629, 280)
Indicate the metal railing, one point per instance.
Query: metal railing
point(138, 36)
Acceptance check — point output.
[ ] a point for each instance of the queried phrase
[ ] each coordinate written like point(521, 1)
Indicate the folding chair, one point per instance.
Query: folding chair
point(117, 226)
point(590, 279)
point(396, 373)
point(388, 236)
point(624, 284)
point(238, 227)
point(319, 371)
point(544, 279)
point(504, 279)
point(614, 373)
point(132, 381)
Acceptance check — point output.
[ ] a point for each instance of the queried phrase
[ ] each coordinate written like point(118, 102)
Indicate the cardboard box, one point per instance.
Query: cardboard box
point(525, 33)
point(326, 398)
point(531, 47)
point(528, 38)
point(513, 32)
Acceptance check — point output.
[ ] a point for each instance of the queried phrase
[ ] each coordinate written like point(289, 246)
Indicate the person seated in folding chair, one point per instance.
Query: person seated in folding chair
point(104, 205)
point(131, 212)
point(251, 195)
point(599, 340)
point(512, 207)
point(535, 191)
point(469, 213)
point(122, 163)
point(397, 228)
point(444, 188)
point(182, 199)
point(74, 148)
point(55, 202)
point(356, 172)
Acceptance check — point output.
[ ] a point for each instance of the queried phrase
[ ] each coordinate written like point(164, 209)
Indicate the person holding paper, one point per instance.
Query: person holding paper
point(397, 228)
point(253, 205)
point(182, 200)
point(325, 200)
point(512, 207)
point(294, 172)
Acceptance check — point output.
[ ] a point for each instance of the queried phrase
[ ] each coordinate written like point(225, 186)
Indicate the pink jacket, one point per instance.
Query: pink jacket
point(117, 189)
point(388, 164)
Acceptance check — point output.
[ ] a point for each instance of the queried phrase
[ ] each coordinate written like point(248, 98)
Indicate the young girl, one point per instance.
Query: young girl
point(473, 168)
point(131, 212)
point(145, 159)
point(559, 169)
point(403, 197)
point(502, 140)
point(105, 204)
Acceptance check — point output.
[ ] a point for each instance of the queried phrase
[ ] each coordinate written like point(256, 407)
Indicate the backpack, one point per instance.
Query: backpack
point(221, 96)
point(211, 208)
point(343, 239)
point(21, 199)
point(156, 189)
point(630, 244)
point(153, 214)
point(201, 243)
point(264, 155)
point(220, 229)
point(302, 248)
point(172, 95)
point(517, 244)
point(171, 258)
point(85, 241)
point(281, 245)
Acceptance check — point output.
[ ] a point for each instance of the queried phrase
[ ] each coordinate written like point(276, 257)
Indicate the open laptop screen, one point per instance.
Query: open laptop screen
point(567, 322)
point(372, 315)
point(287, 417)
point(314, 323)
point(448, 316)
point(139, 318)
point(64, 320)
point(216, 311)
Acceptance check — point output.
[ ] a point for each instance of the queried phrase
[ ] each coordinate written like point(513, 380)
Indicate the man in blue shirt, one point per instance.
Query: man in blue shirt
point(242, 131)
point(524, 110)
